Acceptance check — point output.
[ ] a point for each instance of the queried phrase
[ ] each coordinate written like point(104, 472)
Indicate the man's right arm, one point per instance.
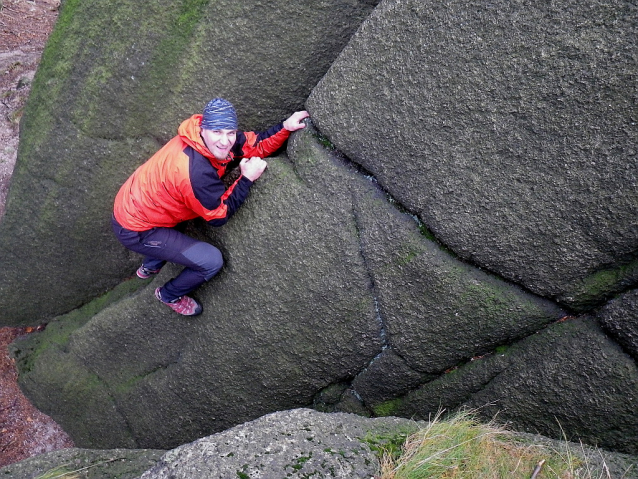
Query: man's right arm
point(252, 168)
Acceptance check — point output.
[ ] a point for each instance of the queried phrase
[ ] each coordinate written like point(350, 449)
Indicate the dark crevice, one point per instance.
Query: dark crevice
point(295, 170)
point(383, 331)
point(613, 336)
point(498, 349)
point(461, 365)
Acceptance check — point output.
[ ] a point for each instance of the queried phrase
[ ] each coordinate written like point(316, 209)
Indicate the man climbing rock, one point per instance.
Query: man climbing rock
point(182, 181)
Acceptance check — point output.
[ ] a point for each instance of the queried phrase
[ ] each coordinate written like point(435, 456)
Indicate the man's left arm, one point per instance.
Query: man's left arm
point(264, 144)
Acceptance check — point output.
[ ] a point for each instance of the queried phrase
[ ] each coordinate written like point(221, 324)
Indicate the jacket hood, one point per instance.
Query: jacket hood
point(190, 132)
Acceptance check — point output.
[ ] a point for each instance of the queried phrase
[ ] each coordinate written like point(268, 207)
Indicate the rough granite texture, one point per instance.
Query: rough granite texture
point(299, 443)
point(568, 374)
point(288, 315)
point(508, 128)
point(572, 372)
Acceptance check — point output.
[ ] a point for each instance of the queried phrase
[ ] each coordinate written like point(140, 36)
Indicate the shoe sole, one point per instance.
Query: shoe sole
point(144, 276)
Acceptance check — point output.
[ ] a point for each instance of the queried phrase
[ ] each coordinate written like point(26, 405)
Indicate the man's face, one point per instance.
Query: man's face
point(219, 142)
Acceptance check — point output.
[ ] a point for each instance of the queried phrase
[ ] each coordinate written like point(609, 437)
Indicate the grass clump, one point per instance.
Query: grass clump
point(462, 448)
point(59, 472)
point(64, 471)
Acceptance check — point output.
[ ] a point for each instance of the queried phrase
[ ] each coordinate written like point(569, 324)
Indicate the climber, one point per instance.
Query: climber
point(182, 181)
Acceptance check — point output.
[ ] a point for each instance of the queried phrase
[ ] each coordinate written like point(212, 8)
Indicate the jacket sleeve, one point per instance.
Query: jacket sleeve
point(211, 199)
point(261, 144)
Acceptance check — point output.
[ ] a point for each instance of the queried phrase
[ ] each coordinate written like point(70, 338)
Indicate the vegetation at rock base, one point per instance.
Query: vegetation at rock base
point(462, 448)
point(59, 473)
point(387, 408)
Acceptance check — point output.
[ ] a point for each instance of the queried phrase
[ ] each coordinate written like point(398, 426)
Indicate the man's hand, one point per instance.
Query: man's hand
point(295, 122)
point(252, 168)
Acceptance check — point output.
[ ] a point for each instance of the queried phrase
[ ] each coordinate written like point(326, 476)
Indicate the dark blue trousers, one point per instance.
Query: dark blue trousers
point(202, 260)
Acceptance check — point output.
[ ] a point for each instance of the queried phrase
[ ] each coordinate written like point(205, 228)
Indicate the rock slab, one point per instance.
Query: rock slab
point(298, 443)
point(509, 128)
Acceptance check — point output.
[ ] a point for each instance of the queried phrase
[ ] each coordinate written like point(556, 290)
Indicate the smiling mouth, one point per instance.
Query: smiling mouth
point(220, 153)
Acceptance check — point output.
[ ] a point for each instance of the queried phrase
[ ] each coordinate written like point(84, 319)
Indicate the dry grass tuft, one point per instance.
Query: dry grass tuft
point(462, 448)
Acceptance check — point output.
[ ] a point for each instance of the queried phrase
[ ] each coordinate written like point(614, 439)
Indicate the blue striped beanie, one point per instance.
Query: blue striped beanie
point(219, 114)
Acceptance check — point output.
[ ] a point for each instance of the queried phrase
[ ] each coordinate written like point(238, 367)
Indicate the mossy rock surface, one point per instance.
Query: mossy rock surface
point(565, 381)
point(481, 215)
point(289, 315)
point(113, 85)
point(85, 464)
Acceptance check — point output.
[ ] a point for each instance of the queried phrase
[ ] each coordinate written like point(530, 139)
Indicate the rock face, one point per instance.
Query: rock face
point(485, 200)
point(509, 130)
point(542, 373)
point(320, 310)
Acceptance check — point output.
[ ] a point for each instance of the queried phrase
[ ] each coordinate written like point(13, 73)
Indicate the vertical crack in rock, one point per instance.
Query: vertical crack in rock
point(621, 344)
point(383, 330)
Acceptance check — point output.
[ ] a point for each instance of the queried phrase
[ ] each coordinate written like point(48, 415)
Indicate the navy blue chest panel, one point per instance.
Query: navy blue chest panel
point(238, 147)
point(207, 186)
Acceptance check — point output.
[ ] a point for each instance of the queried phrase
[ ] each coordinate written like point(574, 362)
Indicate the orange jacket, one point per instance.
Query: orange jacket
point(183, 180)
